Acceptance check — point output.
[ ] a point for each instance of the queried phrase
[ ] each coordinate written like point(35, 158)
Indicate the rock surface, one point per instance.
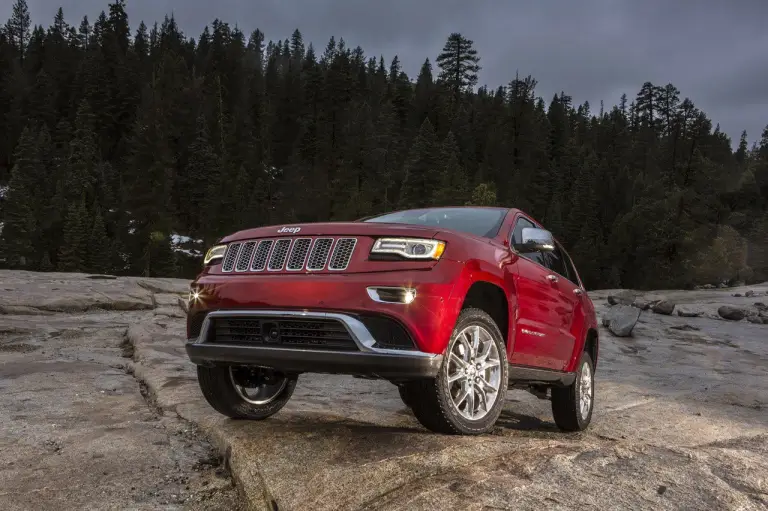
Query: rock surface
point(680, 422)
point(621, 319)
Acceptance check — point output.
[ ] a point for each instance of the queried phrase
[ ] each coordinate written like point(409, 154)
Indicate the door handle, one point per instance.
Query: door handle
point(552, 278)
point(578, 291)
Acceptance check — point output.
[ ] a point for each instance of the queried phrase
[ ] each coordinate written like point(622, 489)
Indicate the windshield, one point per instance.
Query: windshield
point(478, 221)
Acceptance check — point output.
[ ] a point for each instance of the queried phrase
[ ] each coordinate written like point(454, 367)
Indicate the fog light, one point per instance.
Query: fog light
point(405, 295)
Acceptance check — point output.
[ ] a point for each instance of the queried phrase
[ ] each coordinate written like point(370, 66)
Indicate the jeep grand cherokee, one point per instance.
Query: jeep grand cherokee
point(452, 305)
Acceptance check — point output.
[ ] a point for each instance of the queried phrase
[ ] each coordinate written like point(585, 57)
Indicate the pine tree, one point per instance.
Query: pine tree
point(74, 249)
point(459, 64)
point(80, 171)
point(421, 174)
point(453, 182)
point(18, 28)
point(99, 247)
point(19, 233)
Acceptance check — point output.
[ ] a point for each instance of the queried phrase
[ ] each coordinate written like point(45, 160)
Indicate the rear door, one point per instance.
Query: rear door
point(538, 335)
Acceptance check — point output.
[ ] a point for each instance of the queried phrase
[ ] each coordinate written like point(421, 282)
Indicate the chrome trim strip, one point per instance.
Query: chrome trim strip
point(235, 247)
point(325, 260)
point(287, 253)
point(271, 245)
point(293, 249)
point(373, 293)
point(349, 259)
point(250, 257)
point(357, 330)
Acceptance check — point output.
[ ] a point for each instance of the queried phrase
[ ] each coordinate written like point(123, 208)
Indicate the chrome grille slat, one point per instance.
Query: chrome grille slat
point(291, 254)
point(279, 254)
point(230, 257)
point(342, 253)
point(318, 256)
point(244, 258)
point(260, 257)
point(299, 254)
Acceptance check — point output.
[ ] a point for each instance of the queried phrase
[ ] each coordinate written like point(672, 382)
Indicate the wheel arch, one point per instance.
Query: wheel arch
point(592, 345)
point(491, 298)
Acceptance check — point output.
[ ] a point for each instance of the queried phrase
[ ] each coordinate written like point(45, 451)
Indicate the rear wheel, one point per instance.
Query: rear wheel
point(468, 394)
point(572, 405)
point(245, 392)
point(404, 395)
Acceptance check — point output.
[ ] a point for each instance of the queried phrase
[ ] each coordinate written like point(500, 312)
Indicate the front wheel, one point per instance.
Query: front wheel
point(245, 392)
point(572, 405)
point(467, 395)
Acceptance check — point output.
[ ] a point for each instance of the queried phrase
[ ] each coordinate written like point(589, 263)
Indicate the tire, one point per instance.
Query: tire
point(567, 401)
point(432, 400)
point(405, 395)
point(218, 387)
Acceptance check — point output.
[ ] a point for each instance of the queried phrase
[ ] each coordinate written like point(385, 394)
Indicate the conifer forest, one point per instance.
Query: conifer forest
point(130, 148)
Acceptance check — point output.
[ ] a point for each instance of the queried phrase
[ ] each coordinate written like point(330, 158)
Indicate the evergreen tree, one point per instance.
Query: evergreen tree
point(453, 182)
point(18, 29)
point(20, 231)
point(74, 249)
point(421, 175)
point(99, 247)
point(459, 64)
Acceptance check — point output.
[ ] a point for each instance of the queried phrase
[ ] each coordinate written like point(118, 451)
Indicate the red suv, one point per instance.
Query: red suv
point(452, 305)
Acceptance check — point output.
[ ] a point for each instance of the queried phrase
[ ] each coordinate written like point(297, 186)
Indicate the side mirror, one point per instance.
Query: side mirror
point(535, 240)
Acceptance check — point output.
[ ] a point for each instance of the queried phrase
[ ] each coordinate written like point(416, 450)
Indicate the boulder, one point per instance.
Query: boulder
point(755, 319)
point(688, 313)
point(642, 305)
point(618, 300)
point(621, 319)
point(664, 307)
point(736, 295)
point(749, 294)
point(761, 306)
point(731, 313)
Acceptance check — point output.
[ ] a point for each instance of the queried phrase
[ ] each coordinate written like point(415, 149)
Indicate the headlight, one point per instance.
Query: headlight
point(213, 253)
point(410, 248)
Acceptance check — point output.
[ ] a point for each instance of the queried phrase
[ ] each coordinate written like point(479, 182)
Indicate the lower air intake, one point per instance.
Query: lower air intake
point(325, 334)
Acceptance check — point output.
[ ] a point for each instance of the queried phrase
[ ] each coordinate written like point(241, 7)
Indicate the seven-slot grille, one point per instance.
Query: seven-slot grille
point(327, 334)
point(290, 254)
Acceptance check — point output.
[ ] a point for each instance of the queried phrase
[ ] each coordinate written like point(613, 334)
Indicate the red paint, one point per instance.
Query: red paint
point(534, 303)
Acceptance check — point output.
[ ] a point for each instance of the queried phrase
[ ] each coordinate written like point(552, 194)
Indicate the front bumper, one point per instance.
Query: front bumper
point(366, 360)
point(429, 319)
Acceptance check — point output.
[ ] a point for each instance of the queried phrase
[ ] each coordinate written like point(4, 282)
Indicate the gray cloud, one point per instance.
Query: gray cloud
point(714, 52)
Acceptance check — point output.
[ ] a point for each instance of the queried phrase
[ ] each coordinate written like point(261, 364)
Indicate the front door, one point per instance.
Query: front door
point(539, 324)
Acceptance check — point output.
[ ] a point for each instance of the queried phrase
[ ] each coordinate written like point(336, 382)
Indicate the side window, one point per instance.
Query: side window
point(573, 277)
point(517, 237)
point(555, 261)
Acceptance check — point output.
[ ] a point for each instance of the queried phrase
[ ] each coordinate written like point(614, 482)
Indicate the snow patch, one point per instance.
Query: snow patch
point(178, 239)
point(3, 191)
point(187, 245)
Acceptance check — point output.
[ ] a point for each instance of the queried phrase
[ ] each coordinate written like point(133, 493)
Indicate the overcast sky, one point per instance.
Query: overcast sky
point(714, 51)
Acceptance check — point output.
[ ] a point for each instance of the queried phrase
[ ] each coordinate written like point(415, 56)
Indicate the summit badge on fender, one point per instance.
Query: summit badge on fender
point(291, 230)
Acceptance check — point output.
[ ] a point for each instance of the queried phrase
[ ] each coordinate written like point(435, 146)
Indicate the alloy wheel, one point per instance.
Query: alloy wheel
point(474, 372)
point(254, 386)
point(585, 390)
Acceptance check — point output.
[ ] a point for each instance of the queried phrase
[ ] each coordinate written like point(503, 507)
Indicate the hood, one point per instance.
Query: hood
point(333, 229)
